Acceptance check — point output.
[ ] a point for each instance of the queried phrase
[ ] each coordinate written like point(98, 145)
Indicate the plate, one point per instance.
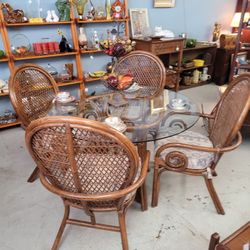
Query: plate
point(97, 74)
point(133, 88)
point(70, 99)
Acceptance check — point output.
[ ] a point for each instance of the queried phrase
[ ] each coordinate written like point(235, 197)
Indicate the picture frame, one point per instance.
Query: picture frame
point(139, 21)
point(159, 103)
point(164, 3)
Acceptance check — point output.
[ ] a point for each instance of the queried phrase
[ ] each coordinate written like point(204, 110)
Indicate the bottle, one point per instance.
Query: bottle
point(96, 40)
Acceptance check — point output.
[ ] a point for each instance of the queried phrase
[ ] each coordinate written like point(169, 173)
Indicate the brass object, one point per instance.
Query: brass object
point(11, 15)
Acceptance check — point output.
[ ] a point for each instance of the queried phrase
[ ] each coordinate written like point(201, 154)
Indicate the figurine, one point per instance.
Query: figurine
point(63, 8)
point(54, 16)
point(49, 16)
point(216, 32)
point(64, 45)
point(13, 16)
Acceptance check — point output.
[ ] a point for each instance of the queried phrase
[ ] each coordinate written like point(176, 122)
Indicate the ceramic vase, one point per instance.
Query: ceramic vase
point(108, 10)
point(82, 39)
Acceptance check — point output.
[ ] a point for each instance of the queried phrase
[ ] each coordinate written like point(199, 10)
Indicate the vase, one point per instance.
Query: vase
point(108, 10)
point(82, 39)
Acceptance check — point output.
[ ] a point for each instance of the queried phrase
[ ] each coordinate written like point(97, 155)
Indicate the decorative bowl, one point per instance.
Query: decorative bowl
point(20, 45)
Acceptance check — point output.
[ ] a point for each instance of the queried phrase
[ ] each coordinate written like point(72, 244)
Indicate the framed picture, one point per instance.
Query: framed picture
point(139, 22)
point(159, 103)
point(164, 3)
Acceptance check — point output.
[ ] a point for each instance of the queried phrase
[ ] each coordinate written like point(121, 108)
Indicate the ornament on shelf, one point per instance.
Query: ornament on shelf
point(55, 18)
point(82, 38)
point(108, 9)
point(49, 17)
point(117, 10)
point(64, 44)
point(63, 7)
point(13, 16)
point(80, 6)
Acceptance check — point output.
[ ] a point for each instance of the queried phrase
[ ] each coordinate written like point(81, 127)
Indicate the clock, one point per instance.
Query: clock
point(117, 9)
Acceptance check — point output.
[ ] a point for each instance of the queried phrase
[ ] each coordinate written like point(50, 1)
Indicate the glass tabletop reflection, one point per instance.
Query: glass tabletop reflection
point(146, 119)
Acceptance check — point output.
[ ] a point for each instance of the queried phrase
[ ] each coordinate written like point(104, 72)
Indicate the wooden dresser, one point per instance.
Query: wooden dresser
point(164, 49)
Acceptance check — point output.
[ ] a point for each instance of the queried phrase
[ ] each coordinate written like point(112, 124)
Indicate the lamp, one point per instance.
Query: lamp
point(236, 19)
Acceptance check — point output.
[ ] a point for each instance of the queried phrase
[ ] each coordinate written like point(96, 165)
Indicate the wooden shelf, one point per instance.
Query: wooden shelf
point(36, 24)
point(73, 82)
point(92, 79)
point(244, 66)
point(4, 94)
point(194, 67)
point(102, 21)
point(200, 46)
point(182, 87)
point(92, 51)
point(43, 56)
point(7, 125)
point(5, 59)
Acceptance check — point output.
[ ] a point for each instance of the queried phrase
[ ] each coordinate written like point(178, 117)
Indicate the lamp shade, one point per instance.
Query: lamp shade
point(236, 19)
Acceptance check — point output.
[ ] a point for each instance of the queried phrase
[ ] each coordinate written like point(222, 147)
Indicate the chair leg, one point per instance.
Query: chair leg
point(214, 240)
point(122, 223)
point(156, 187)
point(34, 175)
point(214, 196)
point(61, 229)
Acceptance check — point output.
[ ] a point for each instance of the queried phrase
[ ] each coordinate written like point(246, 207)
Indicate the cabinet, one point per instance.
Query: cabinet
point(172, 53)
point(222, 65)
point(77, 55)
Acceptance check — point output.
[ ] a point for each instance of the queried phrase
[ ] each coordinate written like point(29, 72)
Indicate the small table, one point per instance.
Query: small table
point(144, 123)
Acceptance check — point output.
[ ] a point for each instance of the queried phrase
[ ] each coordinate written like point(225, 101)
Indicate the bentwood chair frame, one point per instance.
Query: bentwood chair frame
point(91, 166)
point(224, 124)
point(147, 69)
point(32, 90)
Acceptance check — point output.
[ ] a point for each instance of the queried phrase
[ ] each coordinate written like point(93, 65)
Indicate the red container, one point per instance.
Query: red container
point(56, 47)
point(45, 48)
point(37, 48)
point(51, 48)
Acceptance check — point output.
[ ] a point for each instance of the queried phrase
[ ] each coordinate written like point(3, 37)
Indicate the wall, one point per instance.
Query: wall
point(194, 17)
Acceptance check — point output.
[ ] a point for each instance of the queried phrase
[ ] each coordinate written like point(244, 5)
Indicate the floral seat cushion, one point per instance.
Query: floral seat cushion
point(196, 159)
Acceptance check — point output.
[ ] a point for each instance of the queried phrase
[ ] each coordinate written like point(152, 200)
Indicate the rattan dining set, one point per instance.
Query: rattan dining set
point(95, 168)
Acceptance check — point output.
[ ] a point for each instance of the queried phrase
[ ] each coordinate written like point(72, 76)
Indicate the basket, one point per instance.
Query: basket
point(198, 62)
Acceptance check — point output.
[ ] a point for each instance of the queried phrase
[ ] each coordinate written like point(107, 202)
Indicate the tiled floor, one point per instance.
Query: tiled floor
point(184, 219)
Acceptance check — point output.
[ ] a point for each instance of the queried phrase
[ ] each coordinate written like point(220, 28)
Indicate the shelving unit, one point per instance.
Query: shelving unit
point(245, 5)
point(74, 22)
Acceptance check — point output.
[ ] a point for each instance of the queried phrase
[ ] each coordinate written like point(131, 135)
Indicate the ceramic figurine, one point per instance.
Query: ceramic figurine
point(55, 18)
point(64, 45)
point(49, 16)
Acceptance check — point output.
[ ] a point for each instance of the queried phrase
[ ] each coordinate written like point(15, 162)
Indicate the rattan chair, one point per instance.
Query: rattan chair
point(147, 69)
point(32, 90)
point(192, 153)
point(90, 165)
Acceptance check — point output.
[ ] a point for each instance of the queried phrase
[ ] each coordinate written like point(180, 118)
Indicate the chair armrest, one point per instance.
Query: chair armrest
point(201, 148)
point(99, 197)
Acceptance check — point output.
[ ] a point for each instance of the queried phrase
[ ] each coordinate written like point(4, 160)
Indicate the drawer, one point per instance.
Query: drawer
point(166, 47)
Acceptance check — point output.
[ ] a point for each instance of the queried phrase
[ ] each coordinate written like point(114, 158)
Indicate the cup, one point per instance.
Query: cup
point(205, 77)
point(113, 121)
point(63, 95)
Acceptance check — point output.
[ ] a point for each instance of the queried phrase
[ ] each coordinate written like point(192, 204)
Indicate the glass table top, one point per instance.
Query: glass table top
point(146, 119)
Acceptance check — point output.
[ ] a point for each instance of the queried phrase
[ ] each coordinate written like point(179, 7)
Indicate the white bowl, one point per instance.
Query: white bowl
point(63, 95)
